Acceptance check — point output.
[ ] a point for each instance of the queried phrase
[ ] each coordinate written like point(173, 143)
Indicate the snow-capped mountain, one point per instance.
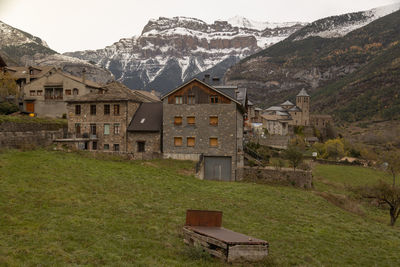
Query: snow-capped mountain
point(172, 50)
point(338, 26)
point(320, 55)
point(20, 48)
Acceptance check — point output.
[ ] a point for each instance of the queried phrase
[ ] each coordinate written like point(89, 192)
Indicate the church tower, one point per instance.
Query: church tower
point(303, 102)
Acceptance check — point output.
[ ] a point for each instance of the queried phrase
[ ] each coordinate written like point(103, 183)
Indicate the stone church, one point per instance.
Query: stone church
point(278, 119)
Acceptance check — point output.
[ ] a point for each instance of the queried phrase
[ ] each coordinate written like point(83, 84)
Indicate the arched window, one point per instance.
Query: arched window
point(75, 91)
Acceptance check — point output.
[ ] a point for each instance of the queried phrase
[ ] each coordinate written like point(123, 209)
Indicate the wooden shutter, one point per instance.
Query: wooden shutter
point(190, 141)
point(178, 120)
point(213, 120)
point(213, 141)
point(178, 141)
point(191, 120)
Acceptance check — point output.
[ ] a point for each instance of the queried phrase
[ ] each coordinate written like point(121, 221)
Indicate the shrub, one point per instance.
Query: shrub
point(8, 108)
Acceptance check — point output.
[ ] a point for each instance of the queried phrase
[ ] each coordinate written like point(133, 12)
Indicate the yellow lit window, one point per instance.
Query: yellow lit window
point(191, 120)
point(178, 120)
point(190, 141)
point(213, 142)
point(178, 141)
point(214, 120)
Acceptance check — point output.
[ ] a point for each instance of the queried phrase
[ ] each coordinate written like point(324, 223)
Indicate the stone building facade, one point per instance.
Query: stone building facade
point(99, 121)
point(205, 124)
point(279, 119)
point(47, 95)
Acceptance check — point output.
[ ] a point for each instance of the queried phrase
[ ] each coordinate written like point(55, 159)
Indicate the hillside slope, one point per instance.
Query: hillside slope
point(279, 72)
point(77, 210)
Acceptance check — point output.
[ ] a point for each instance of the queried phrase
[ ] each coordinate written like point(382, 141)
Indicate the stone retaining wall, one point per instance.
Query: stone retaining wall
point(299, 178)
point(28, 135)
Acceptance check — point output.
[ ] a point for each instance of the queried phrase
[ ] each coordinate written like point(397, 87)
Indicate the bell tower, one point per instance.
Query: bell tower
point(303, 102)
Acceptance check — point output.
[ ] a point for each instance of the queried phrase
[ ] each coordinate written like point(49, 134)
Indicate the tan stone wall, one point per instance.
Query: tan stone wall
point(152, 144)
point(52, 108)
point(85, 119)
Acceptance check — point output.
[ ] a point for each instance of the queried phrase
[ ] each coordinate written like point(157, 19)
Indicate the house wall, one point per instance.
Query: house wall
point(52, 107)
point(152, 144)
point(229, 131)
point(127, 109)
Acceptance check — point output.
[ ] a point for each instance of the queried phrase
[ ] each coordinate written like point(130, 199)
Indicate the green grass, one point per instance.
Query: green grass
point(27, 119)
point(61, 208)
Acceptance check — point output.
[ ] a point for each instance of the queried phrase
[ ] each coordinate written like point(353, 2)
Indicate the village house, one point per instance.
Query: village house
point(115, 119)
point(278, 119)
point(204, 123)
point(47, 95)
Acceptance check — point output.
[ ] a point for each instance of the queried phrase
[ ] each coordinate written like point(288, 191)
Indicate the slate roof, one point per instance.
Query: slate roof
point(23, 72)
point(149, 95)
point(209, 86)
point(275, 108)
point(287, 103)
point(303, 92)
point(148, 118)
point(114, 91)
point(295, 108)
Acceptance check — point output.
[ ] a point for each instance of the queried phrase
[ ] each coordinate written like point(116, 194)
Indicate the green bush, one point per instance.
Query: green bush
point(7, 108)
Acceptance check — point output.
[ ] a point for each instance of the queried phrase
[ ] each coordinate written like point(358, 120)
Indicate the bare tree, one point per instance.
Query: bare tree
point(386, 195)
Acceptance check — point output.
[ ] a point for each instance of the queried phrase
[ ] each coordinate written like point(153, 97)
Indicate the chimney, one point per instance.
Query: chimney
point(83, 75)
point(206, 78)
point(153, 92)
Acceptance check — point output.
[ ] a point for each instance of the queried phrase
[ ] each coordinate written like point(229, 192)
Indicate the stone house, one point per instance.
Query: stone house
point(204, 123)
point(25, 75)
point(116, 119)
point(278, 119)
point(48, 94)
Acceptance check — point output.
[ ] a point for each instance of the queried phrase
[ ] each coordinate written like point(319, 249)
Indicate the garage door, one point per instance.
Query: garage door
point(217, 168)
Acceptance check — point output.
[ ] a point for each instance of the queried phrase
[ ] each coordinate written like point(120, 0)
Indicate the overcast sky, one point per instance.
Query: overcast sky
point(71, 25)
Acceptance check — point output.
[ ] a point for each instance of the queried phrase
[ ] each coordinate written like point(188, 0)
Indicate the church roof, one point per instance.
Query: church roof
point(287, 103)
point(303, 92)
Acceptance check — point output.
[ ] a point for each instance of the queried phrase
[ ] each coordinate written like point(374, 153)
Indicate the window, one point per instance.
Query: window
point(106, 129)
point(116, 109)
point(68, 92)
point(178, 120)
point(191, 100)
point(178, 141)
point(77, 128)
point(106, 147)
point(214, 120)
point(178, 100)
point(190, 141)
point(92, 109)
point(77, 109)
point(93, 129)
point(116, 128)
point(191, 120)
point(75, 91)
point(94, 145)
point(213, 99)
point(106, 109)
point(140, 146)
point(116, 147)
point(39, 92)
point(213, 142)
point(32, 92)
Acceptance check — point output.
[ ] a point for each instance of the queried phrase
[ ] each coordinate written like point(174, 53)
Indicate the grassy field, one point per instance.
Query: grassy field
point(61, 208)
